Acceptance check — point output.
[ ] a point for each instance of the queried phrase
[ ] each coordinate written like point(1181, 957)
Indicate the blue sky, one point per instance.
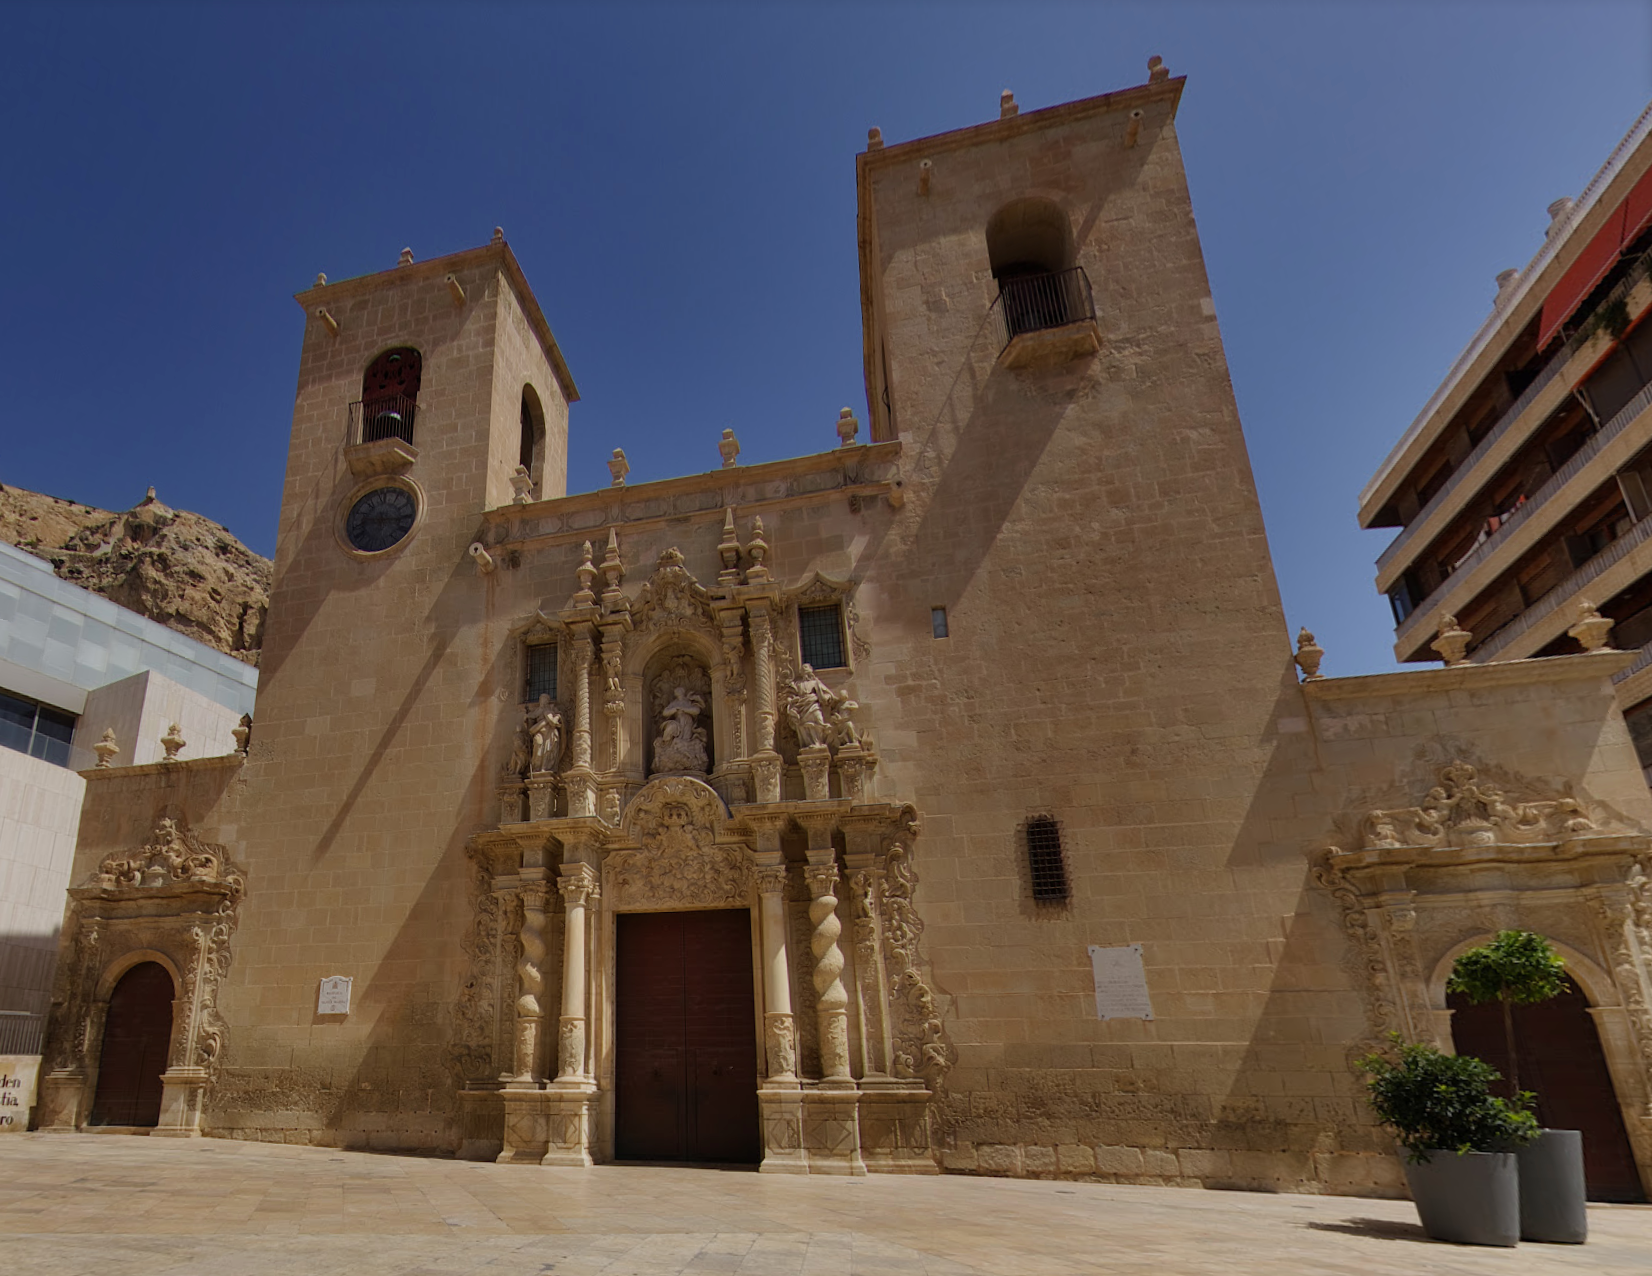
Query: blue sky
point(678, 183)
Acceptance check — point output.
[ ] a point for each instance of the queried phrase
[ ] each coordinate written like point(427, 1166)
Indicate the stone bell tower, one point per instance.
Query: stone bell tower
point(1078, 629)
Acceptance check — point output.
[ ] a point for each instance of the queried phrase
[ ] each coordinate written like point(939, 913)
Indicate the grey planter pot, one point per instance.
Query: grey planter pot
point(1551, 1189)
point(1473, 1199)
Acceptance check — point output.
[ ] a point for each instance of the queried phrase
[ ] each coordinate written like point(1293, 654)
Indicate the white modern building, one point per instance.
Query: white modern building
point(72, 666)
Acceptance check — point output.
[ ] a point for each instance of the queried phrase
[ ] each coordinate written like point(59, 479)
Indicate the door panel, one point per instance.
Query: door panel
point(1561, 1060)
point(685, 1067)
point(137, 1034)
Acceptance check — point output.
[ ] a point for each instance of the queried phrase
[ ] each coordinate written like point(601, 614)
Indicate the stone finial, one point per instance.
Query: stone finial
point(757, 549)
point(1006, 105)
point(173, 742)
point(874, 138)
point(729, 446)
point(587, 573)
point(619, 467)
point(1308, 655)
point(1157, 70)
point(320, 281)
point(728, 549)
point(1591, 628)
point(1452, 642)
point(498, 235)
point(106, 748)
point(406, 257)
point(243, 734)
point(521, 486)
point(613, 570)
point(847, 427)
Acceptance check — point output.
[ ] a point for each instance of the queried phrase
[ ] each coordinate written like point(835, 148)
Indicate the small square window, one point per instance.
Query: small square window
point(937, 621)
point(820, 636)
point(541, 672)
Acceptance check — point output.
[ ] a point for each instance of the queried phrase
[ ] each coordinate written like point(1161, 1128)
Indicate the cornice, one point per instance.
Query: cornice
point(1506, 673)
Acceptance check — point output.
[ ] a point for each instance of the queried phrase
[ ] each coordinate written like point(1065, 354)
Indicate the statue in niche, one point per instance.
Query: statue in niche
point(538, 742)
point(681, 745)
point(820, 715)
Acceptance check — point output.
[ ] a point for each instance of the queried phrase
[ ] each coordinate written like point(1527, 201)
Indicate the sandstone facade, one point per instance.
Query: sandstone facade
point(1000, 680)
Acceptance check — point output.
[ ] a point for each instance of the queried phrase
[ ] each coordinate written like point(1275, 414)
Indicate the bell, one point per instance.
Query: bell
point(387, 425)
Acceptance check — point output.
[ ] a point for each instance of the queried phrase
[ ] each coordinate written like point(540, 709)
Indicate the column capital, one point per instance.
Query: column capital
point(771, 879)
point(578, 884)
point(822, 879)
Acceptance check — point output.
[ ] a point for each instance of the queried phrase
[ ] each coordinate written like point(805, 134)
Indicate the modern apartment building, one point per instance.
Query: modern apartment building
point(1523, 490)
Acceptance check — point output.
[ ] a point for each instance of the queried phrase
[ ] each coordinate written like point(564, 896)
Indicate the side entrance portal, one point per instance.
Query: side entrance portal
point(1562, 1061)
point(137, 1034)
point(685, 1038)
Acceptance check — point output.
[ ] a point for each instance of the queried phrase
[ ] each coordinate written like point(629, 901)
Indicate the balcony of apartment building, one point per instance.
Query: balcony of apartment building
point(1535, 441)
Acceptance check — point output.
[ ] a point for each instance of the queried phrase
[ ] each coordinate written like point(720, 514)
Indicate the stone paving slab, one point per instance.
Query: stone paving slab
point(106, 1205)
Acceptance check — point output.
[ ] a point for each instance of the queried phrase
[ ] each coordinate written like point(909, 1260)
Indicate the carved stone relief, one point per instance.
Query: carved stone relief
point(675, 821)
point(921, 1048)
point(679, 701)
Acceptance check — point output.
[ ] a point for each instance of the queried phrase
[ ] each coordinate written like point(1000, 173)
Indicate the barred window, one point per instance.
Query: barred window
point(820, 636)
point(541, 672)
point(1046, 862)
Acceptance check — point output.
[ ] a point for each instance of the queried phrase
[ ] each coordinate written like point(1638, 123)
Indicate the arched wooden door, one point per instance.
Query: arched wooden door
point(137, 1033)
point(1561, 1060)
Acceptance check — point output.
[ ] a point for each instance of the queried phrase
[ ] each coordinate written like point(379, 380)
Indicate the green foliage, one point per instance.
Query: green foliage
point(1517, 967)
point(1442, 1101)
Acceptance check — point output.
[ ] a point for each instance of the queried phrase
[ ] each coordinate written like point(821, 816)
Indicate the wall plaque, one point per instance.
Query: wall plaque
point(17, 1081)
point(335, 996)
point(1121, 983)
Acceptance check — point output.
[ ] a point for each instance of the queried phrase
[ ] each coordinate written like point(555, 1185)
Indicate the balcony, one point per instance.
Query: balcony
point(1046, 319)
point(1423, 524)
point(380, 438)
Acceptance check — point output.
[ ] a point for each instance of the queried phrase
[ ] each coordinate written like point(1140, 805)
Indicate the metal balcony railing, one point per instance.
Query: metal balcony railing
point(1408, 534)
point(388, 417)
point(1035, 302)
point(21, 1031)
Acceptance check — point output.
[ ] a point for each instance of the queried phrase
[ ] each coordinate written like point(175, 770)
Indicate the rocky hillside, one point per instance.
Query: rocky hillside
point(170, 565)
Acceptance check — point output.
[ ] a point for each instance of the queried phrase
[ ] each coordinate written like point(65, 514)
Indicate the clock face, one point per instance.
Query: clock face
point(380, 519)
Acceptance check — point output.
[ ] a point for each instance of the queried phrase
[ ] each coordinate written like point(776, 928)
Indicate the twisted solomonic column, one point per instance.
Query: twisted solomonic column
point(832, 1002)
point(530, 972)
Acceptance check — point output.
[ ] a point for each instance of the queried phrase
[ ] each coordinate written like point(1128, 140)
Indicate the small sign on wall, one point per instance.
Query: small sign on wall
point(18, 1073)
point(1121, 983)
point(335, 996)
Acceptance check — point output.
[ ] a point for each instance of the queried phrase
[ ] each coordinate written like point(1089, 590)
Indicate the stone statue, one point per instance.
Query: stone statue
point(538, 742)
point(681, 745)
point(810, 705)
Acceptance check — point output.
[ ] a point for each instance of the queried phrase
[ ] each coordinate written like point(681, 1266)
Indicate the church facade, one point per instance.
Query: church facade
point(946, 799)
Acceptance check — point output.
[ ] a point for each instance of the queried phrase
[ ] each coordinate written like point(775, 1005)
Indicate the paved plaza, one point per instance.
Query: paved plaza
point(119, 1206)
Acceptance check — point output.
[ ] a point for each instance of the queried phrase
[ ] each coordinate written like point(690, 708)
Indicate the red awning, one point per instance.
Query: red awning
point(1597, 257)
point(1637, 208)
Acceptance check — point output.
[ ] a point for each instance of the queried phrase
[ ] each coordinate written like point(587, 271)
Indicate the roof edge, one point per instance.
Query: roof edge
point(436, 267)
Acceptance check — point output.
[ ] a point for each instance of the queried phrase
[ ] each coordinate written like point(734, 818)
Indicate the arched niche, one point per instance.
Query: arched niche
point(1029, 236)
point(531, 446)
point(679, 698)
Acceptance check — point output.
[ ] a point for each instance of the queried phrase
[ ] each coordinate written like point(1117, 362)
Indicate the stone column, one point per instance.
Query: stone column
point(579, 887)
point(874, 1037)
point(580, 779)
point(765, 761)
point(530, 973)
point(832, 999)
point(779, 1033)
point(613, 697)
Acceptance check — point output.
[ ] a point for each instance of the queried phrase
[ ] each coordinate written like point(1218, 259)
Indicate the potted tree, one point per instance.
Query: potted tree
point(1459, 1138)
point(1519, 968)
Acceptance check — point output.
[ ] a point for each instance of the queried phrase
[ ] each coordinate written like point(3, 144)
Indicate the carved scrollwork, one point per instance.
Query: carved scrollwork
point(1463, 809)
point(475, 1016)
point(1375, 982)
point(921, 1049)
point(673, 599)
point(172, 855)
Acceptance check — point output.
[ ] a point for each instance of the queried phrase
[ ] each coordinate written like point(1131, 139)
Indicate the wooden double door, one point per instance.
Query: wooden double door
point(1562, 1062)
point(685, 1038)
point(137, 1034)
